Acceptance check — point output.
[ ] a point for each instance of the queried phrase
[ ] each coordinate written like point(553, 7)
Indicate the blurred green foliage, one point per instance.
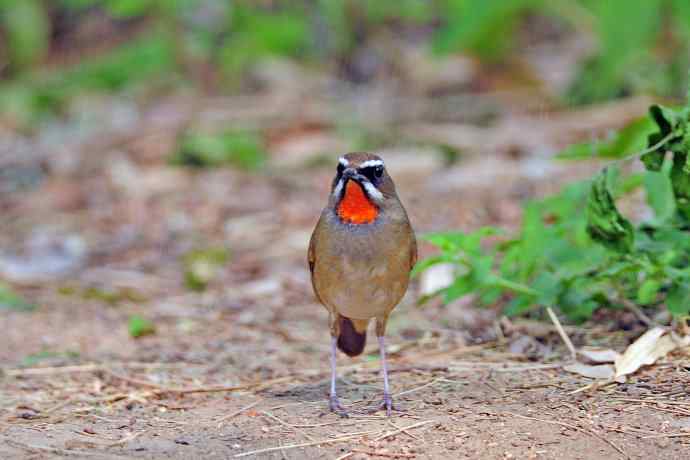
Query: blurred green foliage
point(46, 355)
point(619, 144)
point(202, 265)
point(486, 28)
point(27, 28)
point(580, 261)
point(243, 149)
point(10, 300)
point(138, 326)
point(641, 46)
point(109, 296)
point(44, 92)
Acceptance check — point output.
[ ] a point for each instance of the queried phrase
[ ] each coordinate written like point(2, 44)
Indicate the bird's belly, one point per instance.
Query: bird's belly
point(365, 290)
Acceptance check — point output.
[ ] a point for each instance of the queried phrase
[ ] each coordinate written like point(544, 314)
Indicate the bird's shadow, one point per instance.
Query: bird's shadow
point(319, 391)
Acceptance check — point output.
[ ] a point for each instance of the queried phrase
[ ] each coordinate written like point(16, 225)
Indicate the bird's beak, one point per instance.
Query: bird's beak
point(349, 173)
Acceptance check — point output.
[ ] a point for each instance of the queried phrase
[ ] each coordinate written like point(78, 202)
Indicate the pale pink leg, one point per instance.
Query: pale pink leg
point(387, 399)
point(334, 403)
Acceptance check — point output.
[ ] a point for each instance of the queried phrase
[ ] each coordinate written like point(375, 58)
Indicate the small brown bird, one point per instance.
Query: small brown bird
point(360, 257)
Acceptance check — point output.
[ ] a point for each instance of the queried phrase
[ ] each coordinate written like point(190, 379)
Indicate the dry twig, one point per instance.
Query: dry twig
point(402, 429)
point(57, 451)
point(561, 332)
point(305, 444)
point(237, 412)
point(91, 367)
point(383, 454)
point(668, 435)
point(126, 439)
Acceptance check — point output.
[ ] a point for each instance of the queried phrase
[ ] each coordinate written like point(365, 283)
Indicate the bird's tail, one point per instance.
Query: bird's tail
point(353, 335)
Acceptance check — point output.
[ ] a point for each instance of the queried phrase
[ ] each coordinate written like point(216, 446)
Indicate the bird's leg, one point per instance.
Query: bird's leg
point(387, 402)
point(334, 403)
point(387, 399)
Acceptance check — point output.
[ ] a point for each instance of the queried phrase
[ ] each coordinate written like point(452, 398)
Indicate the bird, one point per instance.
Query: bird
point(361, 253)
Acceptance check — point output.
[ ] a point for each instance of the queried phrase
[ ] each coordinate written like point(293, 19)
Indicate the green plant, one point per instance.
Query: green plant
point(580, 261)
point(44, 355)
point(642, 45)
point(243, 149)
point(627, 141)
point(27, 31)
point(42, 93)
point(257, 34)
point(9, 300)
point(138, 326)
point(486, 28)
point(202, 265)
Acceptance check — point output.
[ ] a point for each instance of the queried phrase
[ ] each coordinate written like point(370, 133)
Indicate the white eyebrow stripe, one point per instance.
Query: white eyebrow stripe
point(370, 163)
point(343, 161)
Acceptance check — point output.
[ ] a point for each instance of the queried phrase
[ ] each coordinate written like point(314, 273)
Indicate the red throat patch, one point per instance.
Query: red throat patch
point(355, 207)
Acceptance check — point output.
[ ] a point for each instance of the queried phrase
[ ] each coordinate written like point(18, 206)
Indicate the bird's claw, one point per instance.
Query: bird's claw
point(335, 406)
point(386, 403)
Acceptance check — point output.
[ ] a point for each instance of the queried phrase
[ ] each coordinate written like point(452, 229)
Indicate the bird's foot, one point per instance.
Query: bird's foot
point(335, 406)
point(387, 404)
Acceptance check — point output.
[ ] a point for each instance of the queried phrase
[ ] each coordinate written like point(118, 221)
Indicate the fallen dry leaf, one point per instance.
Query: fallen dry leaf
point(652, 345)
point(598, 355)
point(601, 371)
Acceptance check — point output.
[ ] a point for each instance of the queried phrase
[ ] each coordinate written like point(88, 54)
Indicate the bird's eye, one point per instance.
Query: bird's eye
point(341, 168)
point(373, 173)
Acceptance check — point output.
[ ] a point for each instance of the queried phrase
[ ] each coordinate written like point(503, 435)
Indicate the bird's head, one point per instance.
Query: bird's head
point(361, 188)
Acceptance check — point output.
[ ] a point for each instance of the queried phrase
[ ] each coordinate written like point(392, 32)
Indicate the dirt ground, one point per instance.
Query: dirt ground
point(241, 369)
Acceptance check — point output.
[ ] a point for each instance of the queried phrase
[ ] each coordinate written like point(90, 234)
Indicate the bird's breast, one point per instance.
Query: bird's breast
point(362, 271)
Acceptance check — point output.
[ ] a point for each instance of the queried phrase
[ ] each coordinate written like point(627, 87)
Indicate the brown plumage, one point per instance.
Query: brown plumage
point(360, 257)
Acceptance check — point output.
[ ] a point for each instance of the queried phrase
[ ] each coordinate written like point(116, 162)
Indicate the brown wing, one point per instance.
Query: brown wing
point(311, 257)
point(413, 251)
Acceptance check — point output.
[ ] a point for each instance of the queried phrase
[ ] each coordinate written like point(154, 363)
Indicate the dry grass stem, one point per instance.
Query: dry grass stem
point(383, 454)
point(238, 412)
point(562, 333)
point(401, 430)
point(305, 444)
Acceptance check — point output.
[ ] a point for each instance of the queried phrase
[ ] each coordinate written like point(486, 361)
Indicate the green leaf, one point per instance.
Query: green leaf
point(549, 287)
point(666, 120)
point(648, 291)
point(138, 326)
point(490, 296)
point(622, 143)
point(678, 299)
point(605, 224)
point(428, 262)
point(462, 286)
point(519, 305)
point(9, 300)
point(660, 195)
